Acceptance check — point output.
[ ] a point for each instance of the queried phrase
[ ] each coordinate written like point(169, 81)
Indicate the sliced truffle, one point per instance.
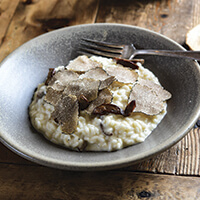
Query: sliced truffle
point(82, 64)
point(99, 74)
point(52, 96)
point(147, 101)
point(123, 74)
point(61, 78)
point(158, 89)
point(66, 113)
point(105, 109)
point(127, 63)
point(104, 97)
point(86, 86)
point(105, 83)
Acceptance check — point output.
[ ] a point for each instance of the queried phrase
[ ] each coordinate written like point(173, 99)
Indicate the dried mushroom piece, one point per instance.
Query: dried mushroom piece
point(127, 63)
point(86, 86)
point(129, 108)
point(62, 78)
point(158, 89)
point(66, 113)
point(99, 74)
point(103, 130)
point(82, 64)
point(104, 97)
point(147, 101)
point(52, 96)
point(105, 109)
point(123, 74)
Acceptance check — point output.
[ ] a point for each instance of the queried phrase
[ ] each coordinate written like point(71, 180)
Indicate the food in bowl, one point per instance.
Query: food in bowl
point(98, 104)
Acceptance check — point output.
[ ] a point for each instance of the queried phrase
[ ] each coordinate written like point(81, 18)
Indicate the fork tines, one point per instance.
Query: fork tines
point(93, 47)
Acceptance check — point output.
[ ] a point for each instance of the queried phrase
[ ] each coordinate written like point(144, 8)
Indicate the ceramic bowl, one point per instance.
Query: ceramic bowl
point(27, 66)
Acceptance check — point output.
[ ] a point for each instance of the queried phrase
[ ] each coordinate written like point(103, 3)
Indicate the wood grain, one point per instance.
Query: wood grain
point(31, 182)
point(7, 10)
point(181, 159)
point(169, 17)
point(38, 17)
point(28, 20)
point(22, 20)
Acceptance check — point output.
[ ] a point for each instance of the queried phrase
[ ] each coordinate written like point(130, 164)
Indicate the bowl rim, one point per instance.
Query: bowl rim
point(104, 165)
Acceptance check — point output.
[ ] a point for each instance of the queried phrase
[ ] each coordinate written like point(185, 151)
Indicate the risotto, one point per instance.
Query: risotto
point(108, 118)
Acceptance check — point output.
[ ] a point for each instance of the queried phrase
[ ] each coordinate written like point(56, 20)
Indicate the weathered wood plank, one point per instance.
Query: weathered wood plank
point(31, 20)
point(7, 10)
point(169, 17)
point(38, 17)
point(181, 159)
point(31, 182)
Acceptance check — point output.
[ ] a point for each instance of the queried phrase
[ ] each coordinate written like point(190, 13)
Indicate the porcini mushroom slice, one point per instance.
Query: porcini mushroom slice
point(146, 100)
point(127, 63)
point(104, 97)
point(123, 74)
point(66, 113)
point(52, 95)
point(129, 108)
point(61, 78)
point(86, 86)
point(104, 109)
point(158, 89)
point(99, 74)
point(82, 64)
point(103, 130)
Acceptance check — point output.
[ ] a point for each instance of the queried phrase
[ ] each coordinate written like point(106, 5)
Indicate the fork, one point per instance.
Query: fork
point(105, 49)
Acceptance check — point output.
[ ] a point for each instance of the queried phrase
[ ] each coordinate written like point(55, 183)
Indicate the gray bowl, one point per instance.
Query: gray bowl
point(26, 67)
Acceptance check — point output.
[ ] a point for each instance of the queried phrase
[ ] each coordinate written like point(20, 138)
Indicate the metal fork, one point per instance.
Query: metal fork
point(93, 47)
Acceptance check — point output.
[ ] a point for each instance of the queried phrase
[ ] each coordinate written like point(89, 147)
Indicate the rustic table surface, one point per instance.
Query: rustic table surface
point(173, 174)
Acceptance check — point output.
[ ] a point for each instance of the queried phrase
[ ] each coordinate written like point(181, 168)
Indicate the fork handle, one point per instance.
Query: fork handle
point(173, 53)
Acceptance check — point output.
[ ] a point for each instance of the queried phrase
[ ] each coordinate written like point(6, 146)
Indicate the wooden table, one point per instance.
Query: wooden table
point(173, 174)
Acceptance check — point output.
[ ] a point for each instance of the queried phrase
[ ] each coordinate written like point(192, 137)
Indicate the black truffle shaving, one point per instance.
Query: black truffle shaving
point(66, 113)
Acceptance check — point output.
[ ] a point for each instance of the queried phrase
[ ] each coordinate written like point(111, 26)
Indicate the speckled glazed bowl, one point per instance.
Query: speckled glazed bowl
point(26, 67)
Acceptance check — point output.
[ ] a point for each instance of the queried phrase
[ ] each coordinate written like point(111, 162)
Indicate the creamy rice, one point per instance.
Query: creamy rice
point(125, 131)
